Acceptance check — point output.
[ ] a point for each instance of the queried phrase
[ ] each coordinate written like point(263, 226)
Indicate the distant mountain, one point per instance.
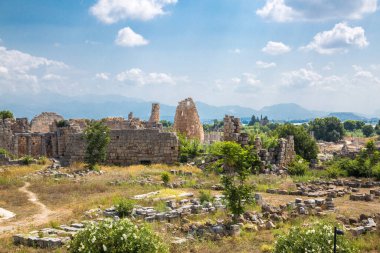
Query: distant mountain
point(100, 106)
point(343, 116)
point(289, 112)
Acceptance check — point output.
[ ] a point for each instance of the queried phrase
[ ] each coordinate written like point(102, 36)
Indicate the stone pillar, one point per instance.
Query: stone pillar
point(130, 116)
point(155, 114)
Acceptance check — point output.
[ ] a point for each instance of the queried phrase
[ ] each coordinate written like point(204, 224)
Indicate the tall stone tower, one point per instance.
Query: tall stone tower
point(155, 114)
point(187, 120)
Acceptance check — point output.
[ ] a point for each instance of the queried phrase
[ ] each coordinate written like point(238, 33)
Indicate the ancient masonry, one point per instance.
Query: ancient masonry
point(186, 120)
point(155, 114)
point(132, 141)
point(281, 156)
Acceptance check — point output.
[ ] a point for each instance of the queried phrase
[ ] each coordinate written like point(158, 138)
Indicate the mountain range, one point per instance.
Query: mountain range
point(100, 106)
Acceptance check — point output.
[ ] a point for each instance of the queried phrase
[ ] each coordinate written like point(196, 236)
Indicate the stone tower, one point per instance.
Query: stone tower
point(155, 114)
point(187, 120)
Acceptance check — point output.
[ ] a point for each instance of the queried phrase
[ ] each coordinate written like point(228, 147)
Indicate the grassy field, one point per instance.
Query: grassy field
point(69, 198)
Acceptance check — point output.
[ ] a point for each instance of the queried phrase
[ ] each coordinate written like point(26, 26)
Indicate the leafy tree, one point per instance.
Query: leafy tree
point(188, 148)
point(304, 144)
point(377, 128)
point(368, 130)
point(360, 124)
point(215, 126)
point(6, 115)
point(350, 125)
point(253, 120)
point(237, 165)
point(327, 129)
point(97, 136)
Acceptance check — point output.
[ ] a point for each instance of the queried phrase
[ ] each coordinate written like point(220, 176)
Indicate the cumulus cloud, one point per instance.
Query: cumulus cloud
point(102, 76)
point(265, 65)
point(112, 11)
point(126, 37)
point(364, 76)
point(3, 70)
point(246, 83)
point(301, 78)
point(138, 77)
point(276, 48)
point(320, 10)
point(338, 40)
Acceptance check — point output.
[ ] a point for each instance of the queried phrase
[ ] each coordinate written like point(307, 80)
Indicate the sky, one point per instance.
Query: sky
point(320, 54)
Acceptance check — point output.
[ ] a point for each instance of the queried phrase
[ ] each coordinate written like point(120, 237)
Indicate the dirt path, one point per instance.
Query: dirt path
point(36, 219)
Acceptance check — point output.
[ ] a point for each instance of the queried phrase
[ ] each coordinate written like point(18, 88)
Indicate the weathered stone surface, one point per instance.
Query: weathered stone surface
point(45, 122)
point(186, 120)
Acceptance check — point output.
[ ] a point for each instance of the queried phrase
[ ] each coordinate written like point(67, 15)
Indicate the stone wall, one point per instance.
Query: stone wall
point(282, 155)
point(128, 147)
point(45, 122)
point(6, 134)
point(186, 120)
point(231, 129)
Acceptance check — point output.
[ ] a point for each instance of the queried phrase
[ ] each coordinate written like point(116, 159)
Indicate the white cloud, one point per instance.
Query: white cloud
point(126, 37)
point(22, 72)
point(338, 40)
point(246, 83)
point(235, 51)
point(265, 65)
point(317, 10)
point(364, 76)
point(52, 77)
point(301, 78)
point(276, 48)
point(138, 77)
point(102, 76)
point(277, 10)
point(112, 11)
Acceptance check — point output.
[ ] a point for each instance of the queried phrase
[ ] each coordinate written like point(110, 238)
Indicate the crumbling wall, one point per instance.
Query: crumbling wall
point(128, 147)
point(6, 134)
point(21, 125)
point(231, 129)
point(186, 120)
point(45, 122)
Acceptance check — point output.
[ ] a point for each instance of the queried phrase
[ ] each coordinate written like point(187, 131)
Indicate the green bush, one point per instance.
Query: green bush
point(165, 177)
point(376, 171)
point(97, 136)
point(298, 168)
point(27, 160)
point(205, 196)
point(335, 172)
point(316, 238)
point(124, 207)
point(43, 160)
point(118, 237)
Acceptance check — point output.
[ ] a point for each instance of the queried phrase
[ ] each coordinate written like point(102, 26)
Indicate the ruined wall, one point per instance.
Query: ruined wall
point(21, 125)
point(45, 122)
point(129, 147)
point(155, 114)
point(187, 120)
point(231, 128)
point(6, 134)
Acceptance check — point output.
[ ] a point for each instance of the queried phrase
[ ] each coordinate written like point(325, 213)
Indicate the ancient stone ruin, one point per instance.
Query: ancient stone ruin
point(186, 120)
point(155, 114)
point(133, 141)
point(280, 156)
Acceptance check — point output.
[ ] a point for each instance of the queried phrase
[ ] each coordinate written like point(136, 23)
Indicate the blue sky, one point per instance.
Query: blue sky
point(321, 54)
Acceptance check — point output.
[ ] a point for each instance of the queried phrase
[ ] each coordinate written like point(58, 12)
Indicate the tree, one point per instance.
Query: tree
point(166, 123)
point(237, 165)
point(97, 136)
point(350, 125)
point(327, 129)
point(6, 115)
point(253, 120)
point(368, 130)
point(304, 145)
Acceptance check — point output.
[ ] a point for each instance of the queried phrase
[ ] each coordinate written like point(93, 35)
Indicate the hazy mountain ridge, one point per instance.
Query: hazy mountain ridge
point(26, 105)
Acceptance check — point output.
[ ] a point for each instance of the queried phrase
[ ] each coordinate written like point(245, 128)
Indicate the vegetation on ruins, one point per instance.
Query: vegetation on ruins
point(63, 123)
point(215, 126)
point(237, 166)
point(189, 148)
point(298, 168)
point(6, 115)
point(166, 123)
point(205, 196)
point(365, 164)
point(124, 207)
point(304, 145)
point(97, 136)
point(327, 129)
point(27, 160)
point(121, 236)
point(317, 237)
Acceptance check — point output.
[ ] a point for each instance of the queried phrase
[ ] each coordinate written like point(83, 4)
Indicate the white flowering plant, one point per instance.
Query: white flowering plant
point(317, 238)
point(120, 236)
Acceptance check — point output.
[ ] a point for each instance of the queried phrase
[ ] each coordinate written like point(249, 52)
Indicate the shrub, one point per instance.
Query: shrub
point(368, 130)
point(376, 171)
point(335, 172)
point(205, 196)
point(63, 123)
point(316, 238)
point(27, 160)
point(165, 177)
point(118, 237)
point(124, 207)
point(6, 115)
point(298, 168)
point(97, 136)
